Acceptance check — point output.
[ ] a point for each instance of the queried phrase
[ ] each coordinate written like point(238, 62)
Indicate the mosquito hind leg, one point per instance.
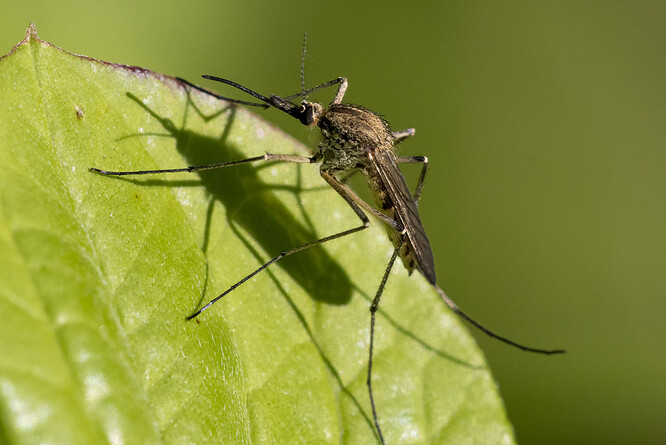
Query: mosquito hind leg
point(373, 311)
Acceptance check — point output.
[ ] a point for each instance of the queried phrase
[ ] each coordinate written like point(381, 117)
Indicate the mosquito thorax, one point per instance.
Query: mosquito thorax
point(354, 127)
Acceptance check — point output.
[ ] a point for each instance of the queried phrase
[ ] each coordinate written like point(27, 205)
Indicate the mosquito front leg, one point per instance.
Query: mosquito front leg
point(339, 80)
point(196, 168)
point(341, 90)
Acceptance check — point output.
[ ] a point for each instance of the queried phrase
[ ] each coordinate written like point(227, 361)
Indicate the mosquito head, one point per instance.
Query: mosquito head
point(309, 113)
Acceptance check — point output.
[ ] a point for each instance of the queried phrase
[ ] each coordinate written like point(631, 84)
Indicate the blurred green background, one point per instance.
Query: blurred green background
point(545, 125)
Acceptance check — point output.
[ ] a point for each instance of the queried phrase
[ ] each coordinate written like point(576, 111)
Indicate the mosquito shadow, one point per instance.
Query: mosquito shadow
point(252, 204)
point(303, 321)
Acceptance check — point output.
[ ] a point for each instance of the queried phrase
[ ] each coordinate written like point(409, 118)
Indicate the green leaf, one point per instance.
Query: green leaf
point(97, 275)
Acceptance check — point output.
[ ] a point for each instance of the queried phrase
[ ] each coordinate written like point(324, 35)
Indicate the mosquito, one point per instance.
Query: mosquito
point(353, 140)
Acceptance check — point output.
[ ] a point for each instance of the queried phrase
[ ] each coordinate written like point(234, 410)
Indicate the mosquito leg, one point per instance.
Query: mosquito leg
point(416, 160)
point(196, 168)
point(319, 87)
point(339, 95)
point(339, 80)
point(403, 134)
point(487, 331)
point(351, 197)
point(373, 310)
point(282, 254)
point(365, 224)
point(341, 90)
point(417, 195)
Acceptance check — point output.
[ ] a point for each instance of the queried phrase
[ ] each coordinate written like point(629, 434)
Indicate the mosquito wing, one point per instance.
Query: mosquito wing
point(406, 213)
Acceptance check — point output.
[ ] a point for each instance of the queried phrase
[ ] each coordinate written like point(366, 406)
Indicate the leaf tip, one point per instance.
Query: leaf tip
point(31, 32)
point(30, 35)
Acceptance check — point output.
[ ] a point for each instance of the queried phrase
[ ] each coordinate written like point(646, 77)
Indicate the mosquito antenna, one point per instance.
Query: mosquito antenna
point(487, 331)
point(305, 39)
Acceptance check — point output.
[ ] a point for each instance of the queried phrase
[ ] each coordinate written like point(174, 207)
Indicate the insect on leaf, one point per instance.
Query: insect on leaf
point(98, 275)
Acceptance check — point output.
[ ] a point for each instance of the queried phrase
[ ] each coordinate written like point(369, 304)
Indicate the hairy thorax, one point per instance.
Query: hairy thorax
point(348, 132)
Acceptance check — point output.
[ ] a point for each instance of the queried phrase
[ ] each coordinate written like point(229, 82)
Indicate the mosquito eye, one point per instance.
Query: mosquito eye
point(308, 115)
